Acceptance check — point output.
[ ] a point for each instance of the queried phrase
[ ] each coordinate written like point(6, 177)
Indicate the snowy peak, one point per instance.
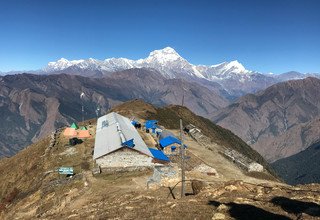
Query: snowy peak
point(163, 56)
point(117, 64)
point(233, 66)
point(61, 64)
point(165, 52)
point(236, 65)
point(166, 61)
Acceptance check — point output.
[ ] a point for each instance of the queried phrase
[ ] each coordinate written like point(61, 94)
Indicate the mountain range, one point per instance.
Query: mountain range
point(232, 77)
point(32, 106)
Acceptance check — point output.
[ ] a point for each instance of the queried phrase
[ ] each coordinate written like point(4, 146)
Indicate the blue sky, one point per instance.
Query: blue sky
point(265, 35)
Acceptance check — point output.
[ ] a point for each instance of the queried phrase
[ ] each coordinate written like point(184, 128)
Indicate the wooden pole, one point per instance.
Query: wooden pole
point(182, 161)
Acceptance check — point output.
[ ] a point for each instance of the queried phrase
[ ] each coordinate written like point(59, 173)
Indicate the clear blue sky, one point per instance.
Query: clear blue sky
point(264, 35)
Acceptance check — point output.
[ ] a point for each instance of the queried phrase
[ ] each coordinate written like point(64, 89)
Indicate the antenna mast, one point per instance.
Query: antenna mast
point(82, 107)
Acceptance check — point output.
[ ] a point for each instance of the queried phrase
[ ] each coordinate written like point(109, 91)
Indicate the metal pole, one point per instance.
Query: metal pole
point(182, 161)
point(82, 110)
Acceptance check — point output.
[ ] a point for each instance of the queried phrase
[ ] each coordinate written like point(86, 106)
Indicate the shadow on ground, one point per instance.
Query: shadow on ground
point(249, 212)
point(296, 206)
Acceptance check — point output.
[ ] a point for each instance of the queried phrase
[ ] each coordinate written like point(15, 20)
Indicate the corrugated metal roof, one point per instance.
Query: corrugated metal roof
point(112, 131)
point(106, 120)
point(158, 154)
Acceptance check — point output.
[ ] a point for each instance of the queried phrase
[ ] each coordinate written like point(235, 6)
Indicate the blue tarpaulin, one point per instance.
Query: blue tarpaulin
point(128, 143)
point(168, 141)
point(151, 124)
point(158, 154)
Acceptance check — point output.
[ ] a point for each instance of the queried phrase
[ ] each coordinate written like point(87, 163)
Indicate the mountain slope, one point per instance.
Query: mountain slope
point(301, 168)
point(30, 186)
point(279, 121)
point(169, 117)
point(34, 105)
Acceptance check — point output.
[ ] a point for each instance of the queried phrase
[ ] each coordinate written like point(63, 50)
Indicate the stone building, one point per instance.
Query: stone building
point(119, 146)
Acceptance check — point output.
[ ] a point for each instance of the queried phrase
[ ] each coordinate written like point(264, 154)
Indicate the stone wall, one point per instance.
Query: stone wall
point(123, 158)
point(164, 176)
point(167, 150)
point(197, 135)
point(242, 161)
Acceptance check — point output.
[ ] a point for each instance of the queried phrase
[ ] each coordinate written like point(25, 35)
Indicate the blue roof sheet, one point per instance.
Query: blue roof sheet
point(151, 124)
point(128, 143)
point(168, 141)
point(152, 121)
point(158, 154)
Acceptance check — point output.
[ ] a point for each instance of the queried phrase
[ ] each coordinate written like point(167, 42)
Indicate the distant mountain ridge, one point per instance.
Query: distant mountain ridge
point(277, 122)
point(32, 106)
point(232, 76)
point(167, 61)
point(301, 168)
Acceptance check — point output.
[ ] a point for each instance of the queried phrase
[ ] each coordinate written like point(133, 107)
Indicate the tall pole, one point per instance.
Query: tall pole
point(82, 107)
point(182, 161)
point(82, 110)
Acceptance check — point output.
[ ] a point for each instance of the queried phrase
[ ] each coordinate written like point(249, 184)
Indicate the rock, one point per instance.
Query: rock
point(203, 168)
point(130, 208)
point(218, 216)
point(242, 200)
point(255, 167)
point(72, 216)
point(197, 186)
point(230, 188)
point(259, 192)
point(222, 207)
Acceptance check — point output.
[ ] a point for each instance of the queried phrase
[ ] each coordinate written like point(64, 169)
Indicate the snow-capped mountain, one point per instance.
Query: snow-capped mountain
point(232, 76)
point(167, 61)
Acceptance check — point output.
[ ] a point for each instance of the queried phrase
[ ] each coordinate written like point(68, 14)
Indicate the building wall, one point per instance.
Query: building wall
point(124, 158)
point(167, 150)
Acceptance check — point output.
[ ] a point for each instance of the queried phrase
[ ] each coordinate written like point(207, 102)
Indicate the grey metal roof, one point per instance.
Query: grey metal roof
point(114, 129)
